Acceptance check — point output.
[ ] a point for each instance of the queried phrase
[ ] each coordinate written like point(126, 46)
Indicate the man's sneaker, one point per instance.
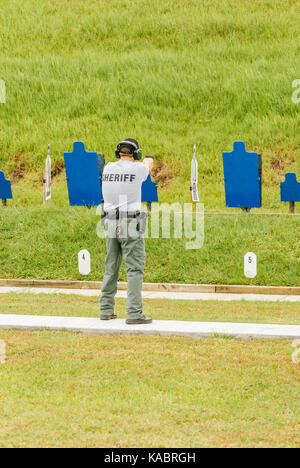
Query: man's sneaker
point(108, 317)
point(139, 320)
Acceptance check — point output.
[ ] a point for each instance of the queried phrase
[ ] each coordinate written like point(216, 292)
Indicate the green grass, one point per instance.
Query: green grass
point(44, 243)
point(170, 74)
point(61, 389)
point(73, 390)
point(158, 309)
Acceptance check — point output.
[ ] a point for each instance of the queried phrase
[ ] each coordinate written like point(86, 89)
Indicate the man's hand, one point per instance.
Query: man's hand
point(148, 161)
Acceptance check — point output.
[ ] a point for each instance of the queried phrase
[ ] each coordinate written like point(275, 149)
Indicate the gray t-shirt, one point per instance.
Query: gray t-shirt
point(121, 185)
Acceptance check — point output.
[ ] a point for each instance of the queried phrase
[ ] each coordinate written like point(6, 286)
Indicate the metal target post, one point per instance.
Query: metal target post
point(47, 178)
point(194, 180)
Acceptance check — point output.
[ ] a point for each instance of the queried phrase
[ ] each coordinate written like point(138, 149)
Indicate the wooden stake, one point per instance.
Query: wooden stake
point(4, 202)
point(44, 190)
point(292, 207)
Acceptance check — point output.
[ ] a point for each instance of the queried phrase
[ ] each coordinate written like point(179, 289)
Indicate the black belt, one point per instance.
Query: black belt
point(117, 214)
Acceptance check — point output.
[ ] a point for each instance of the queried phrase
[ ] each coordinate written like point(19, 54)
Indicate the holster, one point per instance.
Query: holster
point(142, 222)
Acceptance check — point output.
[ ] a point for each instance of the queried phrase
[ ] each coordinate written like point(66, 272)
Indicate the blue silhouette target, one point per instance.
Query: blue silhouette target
point(5, 187)
point(290, 188)
point(84, 176)
point(242, 177)
point(149, 191)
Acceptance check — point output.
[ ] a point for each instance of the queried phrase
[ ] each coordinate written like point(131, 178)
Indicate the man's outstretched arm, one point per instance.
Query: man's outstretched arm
point(148, 161)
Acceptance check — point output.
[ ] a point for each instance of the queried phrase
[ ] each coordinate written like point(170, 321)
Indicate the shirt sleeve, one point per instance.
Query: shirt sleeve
point(145, 172)
point(106, 166)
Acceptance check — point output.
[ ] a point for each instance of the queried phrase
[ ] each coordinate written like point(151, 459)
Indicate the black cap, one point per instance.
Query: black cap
point(126, 144)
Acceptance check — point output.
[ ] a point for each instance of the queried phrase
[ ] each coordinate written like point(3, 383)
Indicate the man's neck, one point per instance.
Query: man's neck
point(127, 158)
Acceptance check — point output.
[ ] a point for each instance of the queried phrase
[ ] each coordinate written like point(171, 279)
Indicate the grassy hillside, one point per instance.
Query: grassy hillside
point(171, 74)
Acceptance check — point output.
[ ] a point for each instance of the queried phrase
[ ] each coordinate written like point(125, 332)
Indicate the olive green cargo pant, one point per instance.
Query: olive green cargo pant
point(122, 240)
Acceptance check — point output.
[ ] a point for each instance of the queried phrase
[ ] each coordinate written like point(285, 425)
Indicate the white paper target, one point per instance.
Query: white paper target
point(250, 265)
point(84, 262)
point(48, 176)
point(194, 177)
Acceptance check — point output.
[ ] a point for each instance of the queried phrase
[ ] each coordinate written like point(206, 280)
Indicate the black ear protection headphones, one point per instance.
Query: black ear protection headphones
point(137, 153)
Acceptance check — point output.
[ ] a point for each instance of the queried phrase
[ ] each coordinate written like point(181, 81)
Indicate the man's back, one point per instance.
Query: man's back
point(121, 185)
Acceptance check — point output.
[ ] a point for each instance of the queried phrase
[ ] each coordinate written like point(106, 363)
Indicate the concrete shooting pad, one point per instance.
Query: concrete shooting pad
point(157, 327)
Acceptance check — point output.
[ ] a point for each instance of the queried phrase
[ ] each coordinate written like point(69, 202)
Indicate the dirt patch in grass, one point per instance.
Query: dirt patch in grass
point(20, 168)
point(162, 174)
point(58, 168)
point(279, 162)
point(278, 165)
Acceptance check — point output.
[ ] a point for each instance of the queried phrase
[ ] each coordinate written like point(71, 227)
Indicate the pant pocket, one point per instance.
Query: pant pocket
point(128, 229)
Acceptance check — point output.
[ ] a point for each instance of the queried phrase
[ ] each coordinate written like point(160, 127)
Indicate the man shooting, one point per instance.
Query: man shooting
point(125, 224)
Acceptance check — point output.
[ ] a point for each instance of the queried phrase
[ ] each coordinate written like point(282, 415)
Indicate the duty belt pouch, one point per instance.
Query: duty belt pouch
point(142, 222)
point(109, 222)
point(103, 217)
point(111, 226)
point(128, 228)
